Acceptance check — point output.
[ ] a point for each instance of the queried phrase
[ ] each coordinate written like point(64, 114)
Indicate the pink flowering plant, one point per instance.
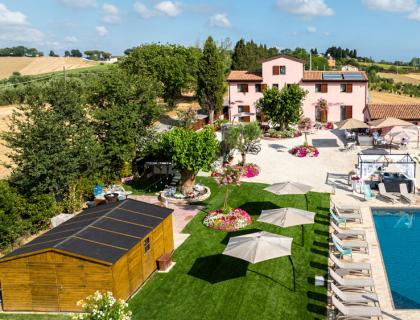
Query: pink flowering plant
point(227, 219)
point(304, 151)
point(250, 170)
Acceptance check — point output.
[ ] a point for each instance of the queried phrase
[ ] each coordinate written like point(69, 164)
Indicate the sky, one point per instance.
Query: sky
point(382, 29)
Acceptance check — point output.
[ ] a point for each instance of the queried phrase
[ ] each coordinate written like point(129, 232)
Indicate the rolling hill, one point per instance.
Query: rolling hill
point(40, 65)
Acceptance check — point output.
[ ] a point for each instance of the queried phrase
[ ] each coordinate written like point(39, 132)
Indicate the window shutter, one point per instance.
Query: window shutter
point(348, 112)
point(245, 109)
point(263, 87)
point(245, 87)
point(349, 87)
point(324, 88)
point(276, 70)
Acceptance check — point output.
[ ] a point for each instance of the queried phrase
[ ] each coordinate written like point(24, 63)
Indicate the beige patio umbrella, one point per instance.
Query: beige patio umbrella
point(351, 124)
point(288, 187)
point(389, 122)
point(288, 217)
point(260, 246)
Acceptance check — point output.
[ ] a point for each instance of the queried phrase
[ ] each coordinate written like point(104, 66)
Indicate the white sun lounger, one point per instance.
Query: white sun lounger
point(409, 197)
point(355, 310)
point(345, 208)
point(354, 215)
point(347, 233)
point(354, 296)
point(358, 266)
point(352, 244)
point(338, 276)
point(385, 194)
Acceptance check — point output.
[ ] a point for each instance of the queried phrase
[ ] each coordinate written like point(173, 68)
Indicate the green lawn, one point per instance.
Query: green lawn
point(33, 316)
point(207, 285)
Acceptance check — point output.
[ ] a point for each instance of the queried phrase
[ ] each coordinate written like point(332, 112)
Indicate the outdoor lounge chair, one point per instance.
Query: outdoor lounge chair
point(341, 250)
point(345, 208)
point(358, 266)
point(367, 192)
point(340, 279)
point(349, 216)
point(354, 296)
point(336, 218)
point(385, 194)
point(355, 310)
point(409, 197)
point(351, 244)
point(347, 233)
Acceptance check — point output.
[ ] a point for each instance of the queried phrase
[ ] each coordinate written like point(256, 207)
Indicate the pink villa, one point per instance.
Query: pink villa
point(346, 93)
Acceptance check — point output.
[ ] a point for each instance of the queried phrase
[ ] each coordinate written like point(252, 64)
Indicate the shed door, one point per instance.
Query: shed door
point(149, 263)
point(44, 289)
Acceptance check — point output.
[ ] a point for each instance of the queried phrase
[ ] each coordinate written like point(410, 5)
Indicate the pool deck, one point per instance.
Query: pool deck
point(375, 257)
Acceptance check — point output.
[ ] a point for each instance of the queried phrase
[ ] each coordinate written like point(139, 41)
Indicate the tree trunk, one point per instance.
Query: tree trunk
point(187, 181)
point(211, 116)
point(243, 154)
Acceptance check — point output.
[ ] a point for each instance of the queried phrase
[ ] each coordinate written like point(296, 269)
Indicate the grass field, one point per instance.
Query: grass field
point(386, 97)
point(5, 112)
point(413, 78)
point(204, 284)
point(387, 66)
point(40, 65)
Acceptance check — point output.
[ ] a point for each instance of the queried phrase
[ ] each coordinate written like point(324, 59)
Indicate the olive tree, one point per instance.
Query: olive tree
point(191, 152)
point(241, 137)
point(283, 107)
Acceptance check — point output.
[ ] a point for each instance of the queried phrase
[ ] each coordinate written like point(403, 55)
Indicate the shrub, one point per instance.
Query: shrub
point(103, 307)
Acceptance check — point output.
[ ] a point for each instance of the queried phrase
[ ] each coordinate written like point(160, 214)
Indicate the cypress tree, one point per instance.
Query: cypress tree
point(210, 79)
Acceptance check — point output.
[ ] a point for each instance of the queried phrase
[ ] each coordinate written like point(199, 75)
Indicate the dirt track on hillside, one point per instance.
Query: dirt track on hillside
point(5, 112)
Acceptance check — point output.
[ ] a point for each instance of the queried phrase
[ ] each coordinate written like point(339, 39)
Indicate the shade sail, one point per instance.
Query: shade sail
point(259, 246)
point(288, 187)
point(287, 217)
point(351, 124)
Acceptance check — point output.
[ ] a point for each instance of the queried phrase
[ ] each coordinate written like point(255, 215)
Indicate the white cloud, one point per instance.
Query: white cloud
point(220, 20)
point(415, 15)
point(14, 27)
point(168, 8)
point(71, 39)
point(111, 14)
point(390, 5)
point(306, 8)
point(101, 31)
point(11, 18)
point(164, 8)
point(109, 9)
point(141, 9)
point(326, 33)
point(78, 3)
point(311, 29)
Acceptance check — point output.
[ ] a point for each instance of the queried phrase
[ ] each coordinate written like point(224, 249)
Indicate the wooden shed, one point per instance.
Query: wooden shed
point(108, 248)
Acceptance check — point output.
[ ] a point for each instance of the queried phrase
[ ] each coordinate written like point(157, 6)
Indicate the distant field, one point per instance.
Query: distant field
point(385, 97)
point(386, 66)
point(41, 65)
point(413, 78)
point(5, 112)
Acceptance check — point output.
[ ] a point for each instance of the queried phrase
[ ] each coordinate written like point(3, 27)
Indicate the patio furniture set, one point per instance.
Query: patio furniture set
point(351, 283)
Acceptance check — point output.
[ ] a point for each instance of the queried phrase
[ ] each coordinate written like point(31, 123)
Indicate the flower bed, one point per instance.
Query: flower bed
point(304, 151)
point(234, 220)
point(249, 170)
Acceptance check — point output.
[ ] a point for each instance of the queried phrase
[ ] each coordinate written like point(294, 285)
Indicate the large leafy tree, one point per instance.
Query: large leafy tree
point(51, 141)
point(242, 136)
point(248, 55)
point(174, 66)
point(283, 107)
point(210, 80)
point(191, 152)
point(124, 107)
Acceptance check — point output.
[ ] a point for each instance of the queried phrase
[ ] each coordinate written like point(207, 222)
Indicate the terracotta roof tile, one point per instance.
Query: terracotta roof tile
point(317, 75)
point(400, 111)
point(239, 75)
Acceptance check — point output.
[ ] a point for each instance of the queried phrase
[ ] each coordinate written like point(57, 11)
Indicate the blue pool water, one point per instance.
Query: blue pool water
point(398, 233)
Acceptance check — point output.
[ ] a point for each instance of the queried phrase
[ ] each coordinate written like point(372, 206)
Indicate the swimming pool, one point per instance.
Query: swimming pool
point(399, 238)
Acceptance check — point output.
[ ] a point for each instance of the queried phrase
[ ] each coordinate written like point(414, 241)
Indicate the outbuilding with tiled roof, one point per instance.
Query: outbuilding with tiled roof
point(408, 112)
